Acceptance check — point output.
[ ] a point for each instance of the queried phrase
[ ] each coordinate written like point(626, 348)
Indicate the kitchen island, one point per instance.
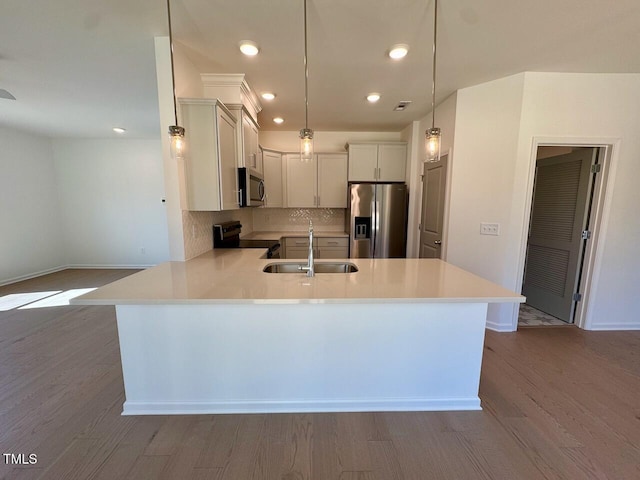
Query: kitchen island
point(218, 335)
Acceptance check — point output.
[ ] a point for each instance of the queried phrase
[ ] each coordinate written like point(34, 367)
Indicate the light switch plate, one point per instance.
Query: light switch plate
point(489, 229)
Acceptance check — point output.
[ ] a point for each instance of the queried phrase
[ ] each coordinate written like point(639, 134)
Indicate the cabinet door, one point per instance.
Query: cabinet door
point(272, 162)
point(301, 182)
point(332, 180)
point(363, 161)
point(296, 252)
point(227, 160)
point(333, 252)
point(250, 141)
point(201, 163)
point(392, 162)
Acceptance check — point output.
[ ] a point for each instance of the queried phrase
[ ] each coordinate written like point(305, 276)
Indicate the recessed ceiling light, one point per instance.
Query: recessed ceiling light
point(278, 120)
point(373, 97)
point(119, 130)
point(399, 51)
point(249, 48)
point(268, 95)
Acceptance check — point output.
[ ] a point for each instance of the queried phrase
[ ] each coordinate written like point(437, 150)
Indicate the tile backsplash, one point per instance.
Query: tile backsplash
point(297, 219)
point(198, 233)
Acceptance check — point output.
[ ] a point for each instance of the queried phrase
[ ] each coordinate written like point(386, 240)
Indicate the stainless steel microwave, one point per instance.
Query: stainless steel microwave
point(251, 186)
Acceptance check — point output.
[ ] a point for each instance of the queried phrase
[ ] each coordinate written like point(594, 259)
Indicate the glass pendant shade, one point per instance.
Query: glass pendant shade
point(178, 144)
point(306, 145)
point(433, 140)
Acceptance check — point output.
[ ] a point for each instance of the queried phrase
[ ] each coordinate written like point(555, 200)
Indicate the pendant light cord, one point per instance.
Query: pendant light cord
point(435, 48)
point(173, 75)
point(306, 72)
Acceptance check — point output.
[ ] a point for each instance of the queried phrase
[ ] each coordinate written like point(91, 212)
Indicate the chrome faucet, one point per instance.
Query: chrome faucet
point(309, 268)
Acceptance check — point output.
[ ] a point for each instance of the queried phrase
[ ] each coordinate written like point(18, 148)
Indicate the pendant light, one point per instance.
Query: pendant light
point(433, 135)
point(176, 132)
point(306, 134)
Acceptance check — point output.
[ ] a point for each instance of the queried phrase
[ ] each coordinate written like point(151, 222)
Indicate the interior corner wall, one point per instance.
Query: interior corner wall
point(111, 194)
point(188, 81)
point(487, 127)
point(173, 171)
point(31, 240)
point(445, 119)
point(496, 124)
point(594, 106)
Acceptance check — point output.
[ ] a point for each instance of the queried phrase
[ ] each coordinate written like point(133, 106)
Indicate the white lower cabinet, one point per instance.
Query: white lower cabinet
point(332, 247)
point(323, 247)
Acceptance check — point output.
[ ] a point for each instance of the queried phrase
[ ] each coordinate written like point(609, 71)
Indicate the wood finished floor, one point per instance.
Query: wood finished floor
point(558, 404)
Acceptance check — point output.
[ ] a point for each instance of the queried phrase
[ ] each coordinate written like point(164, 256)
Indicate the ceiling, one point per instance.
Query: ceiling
point(79, 67)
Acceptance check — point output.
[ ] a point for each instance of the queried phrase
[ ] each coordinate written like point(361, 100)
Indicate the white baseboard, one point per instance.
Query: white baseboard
point(108, 267)
point(614, 326)
point(236, 407)
point(29, 276)
point(499, 327)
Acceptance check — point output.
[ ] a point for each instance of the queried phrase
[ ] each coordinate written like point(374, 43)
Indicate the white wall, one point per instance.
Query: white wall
point(415, 135)
point(173, 171)
point(325, 142)
point(482, 181)
point(595, 106)
point(31, 238)
point(496, 124)
point(111, 201)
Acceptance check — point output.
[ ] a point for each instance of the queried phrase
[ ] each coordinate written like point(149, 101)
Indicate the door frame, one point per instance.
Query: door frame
point(447, 204)
point(601, 206)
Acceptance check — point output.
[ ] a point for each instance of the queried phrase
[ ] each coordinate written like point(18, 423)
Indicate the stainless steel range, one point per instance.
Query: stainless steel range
point(227, 235)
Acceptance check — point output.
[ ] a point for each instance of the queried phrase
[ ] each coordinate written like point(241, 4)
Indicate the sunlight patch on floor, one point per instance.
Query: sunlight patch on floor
point(14, 300)
point(58, 300)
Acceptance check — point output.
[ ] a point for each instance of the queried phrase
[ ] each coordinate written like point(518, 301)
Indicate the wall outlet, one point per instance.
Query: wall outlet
point(489, 229)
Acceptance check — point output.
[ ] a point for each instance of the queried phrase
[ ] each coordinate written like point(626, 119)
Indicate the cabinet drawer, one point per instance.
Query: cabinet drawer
point(296, 252)
point(296, 242)
point(333, 252)
point(332, 242)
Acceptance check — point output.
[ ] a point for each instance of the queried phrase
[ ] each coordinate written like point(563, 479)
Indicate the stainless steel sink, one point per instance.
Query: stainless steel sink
point(319, 267)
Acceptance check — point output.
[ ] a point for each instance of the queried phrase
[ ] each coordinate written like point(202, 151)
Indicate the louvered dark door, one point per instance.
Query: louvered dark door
point(555, 232)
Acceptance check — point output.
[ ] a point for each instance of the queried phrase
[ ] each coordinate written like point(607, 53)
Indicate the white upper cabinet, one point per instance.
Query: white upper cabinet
point(301, 181)
point(377, 162)
point(272, 164)
point(320, 183)
point(392, 162)
point(211, 173)
point(247, 139)
point(332, 180)
point(363, 162)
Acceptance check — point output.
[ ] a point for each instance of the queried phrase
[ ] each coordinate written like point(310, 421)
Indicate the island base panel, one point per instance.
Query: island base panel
point(252, 358)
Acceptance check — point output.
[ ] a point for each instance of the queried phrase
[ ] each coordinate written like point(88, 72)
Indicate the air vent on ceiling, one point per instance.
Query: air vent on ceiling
point(402, 106)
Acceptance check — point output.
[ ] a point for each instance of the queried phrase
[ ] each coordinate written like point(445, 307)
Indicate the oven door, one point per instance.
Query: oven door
point(251, 185)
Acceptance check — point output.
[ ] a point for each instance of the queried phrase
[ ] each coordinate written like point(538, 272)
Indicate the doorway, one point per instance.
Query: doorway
point(434, 184)
point(560, 227)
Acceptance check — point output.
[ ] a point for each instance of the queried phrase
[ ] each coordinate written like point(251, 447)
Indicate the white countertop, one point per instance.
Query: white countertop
point(277, 235)
point(235, 276)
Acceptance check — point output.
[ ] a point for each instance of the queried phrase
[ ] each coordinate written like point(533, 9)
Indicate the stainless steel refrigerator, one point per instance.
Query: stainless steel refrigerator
point(376, 220)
